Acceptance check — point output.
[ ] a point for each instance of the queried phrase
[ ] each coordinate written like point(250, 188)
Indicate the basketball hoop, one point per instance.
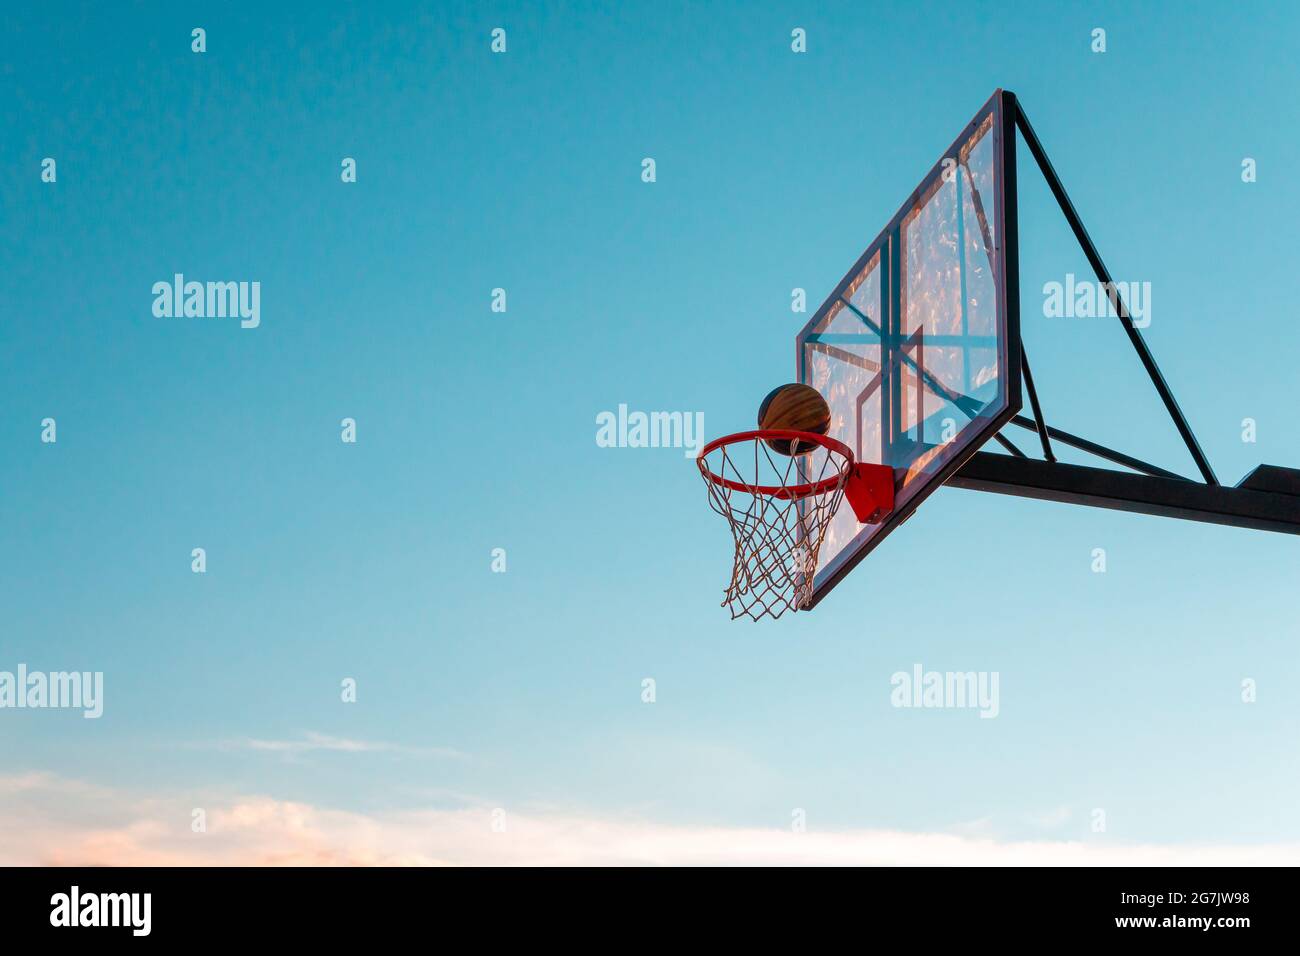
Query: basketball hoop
point(779, 508)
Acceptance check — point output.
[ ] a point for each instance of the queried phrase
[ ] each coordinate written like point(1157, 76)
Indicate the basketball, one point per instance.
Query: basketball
point(797, 408)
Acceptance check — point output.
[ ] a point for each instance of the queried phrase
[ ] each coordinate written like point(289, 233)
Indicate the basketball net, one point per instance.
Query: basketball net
point(778, 508)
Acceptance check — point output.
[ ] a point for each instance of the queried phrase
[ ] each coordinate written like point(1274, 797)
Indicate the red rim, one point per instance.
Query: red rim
point(782, 492)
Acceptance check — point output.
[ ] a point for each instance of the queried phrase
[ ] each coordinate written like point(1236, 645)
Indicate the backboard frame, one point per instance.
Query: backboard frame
point(1002, 107)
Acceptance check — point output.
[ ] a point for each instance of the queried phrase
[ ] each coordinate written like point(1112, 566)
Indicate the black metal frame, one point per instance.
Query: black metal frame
point(1267, 499)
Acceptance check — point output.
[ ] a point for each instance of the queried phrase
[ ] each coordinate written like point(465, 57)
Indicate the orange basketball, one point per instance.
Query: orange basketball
point(798, 408)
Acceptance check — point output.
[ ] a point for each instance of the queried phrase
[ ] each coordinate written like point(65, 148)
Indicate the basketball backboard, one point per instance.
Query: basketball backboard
point(917, 350)
point(918, 355)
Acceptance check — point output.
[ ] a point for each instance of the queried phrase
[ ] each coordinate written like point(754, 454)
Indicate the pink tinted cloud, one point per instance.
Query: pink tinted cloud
point(48, 820)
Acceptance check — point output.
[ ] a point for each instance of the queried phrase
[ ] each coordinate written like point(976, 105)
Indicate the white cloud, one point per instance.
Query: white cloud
point(312, 742)
point(1051, 819)
point(117, 828)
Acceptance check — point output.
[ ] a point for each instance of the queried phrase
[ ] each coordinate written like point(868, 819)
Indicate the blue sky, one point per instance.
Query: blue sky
point(476, 429)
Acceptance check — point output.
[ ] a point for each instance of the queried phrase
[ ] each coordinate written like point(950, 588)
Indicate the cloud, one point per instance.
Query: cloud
point(44, 782)
point(312, 742)
point(24, 782)
point(48, 820)
point(1051, 819)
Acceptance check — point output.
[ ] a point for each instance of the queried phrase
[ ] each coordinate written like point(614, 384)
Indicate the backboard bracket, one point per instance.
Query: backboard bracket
point(1257, 503)
point(1245, 506)
point(1166, 394)
point(1268, 499)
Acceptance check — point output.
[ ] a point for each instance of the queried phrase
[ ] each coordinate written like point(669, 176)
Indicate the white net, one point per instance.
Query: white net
point(778, 508)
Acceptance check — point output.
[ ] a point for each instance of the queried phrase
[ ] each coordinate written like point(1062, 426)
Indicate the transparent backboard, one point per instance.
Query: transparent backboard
point(917, 350)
